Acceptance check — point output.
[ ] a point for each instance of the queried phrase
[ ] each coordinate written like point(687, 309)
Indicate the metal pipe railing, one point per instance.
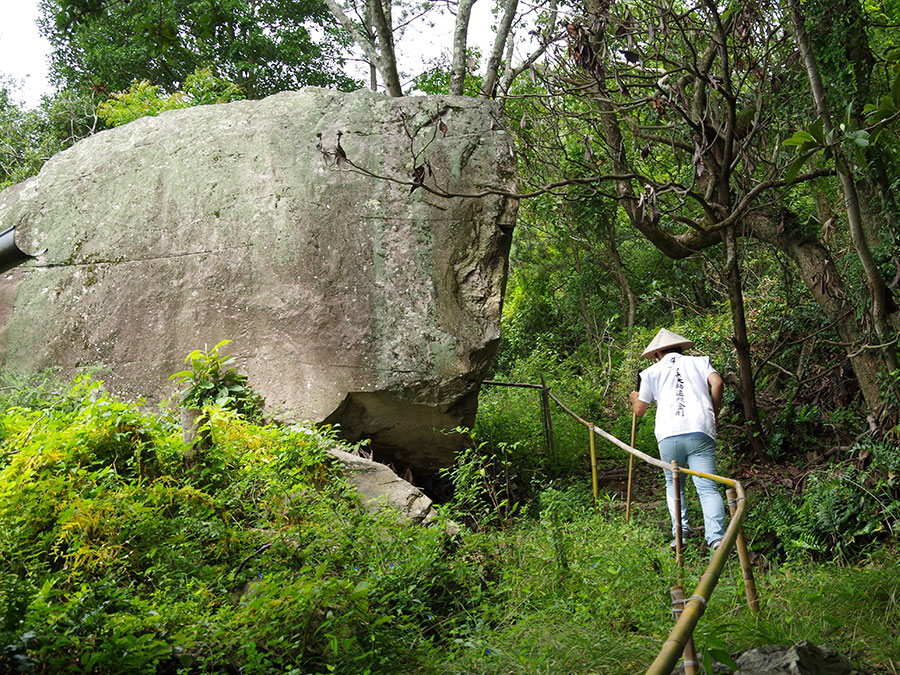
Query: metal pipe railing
point(10, 253)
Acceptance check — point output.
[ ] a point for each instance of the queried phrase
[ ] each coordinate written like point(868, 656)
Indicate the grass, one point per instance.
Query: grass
point(609, 612)
point(115, 558)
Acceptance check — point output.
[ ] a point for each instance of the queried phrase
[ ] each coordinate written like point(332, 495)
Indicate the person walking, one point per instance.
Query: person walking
point(688, 394)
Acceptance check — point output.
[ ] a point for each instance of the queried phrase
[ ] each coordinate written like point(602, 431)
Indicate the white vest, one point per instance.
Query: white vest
point(679, 385)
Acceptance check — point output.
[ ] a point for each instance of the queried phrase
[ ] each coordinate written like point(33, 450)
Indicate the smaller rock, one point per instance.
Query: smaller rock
point(803, 658)
point(381, 488)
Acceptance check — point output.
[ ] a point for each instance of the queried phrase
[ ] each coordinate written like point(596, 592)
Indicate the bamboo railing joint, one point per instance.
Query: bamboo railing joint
point(698, 598)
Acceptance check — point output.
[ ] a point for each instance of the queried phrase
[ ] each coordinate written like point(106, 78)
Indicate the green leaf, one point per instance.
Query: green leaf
point(817, 129)
point(724, 658)
point(707, 662)
point(794, 167)
point(830, 620)
point(860, 137)
point(800, 138)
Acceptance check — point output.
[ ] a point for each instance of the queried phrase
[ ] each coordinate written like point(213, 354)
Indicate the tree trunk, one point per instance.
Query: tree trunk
point(878, 291)
point(824, 282)
point(383, 56)
point(384, 36)
point(493, 67)
point(626, 294)
point(370, 33)
point(746, 384)
point(460, 33)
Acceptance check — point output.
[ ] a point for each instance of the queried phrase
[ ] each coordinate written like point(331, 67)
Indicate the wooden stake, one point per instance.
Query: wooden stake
point(691, 665)
point(630, 469)
point(744, 556)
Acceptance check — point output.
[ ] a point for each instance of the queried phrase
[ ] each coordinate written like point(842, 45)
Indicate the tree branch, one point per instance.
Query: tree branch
point(493, 65)
point(460, 33)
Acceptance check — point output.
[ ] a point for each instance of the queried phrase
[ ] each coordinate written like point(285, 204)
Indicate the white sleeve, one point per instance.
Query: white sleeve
point(707, 368)
point(646, 392)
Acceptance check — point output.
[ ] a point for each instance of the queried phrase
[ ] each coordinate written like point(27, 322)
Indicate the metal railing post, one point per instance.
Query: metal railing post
point(593, 444)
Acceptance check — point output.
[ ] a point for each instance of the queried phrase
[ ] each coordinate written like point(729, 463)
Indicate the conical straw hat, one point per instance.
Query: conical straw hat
point(666, 338)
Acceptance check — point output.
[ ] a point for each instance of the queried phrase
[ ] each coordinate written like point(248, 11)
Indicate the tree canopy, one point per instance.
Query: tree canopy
point(728, 170)
point(262, 46)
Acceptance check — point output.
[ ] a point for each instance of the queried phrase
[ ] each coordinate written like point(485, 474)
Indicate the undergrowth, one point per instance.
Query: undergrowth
point(117, 558)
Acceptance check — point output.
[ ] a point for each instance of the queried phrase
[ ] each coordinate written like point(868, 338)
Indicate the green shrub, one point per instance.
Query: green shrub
point(115, 558)
point(211, 380)
point(484, 480)
point(841, 511)
point(143, 99)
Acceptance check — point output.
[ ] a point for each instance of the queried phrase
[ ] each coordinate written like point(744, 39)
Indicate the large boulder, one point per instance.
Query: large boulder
point(350, 298)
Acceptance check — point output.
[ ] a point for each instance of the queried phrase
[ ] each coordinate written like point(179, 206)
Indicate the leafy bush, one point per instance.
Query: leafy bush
point(142, 98)
point(484, 483)
point(211, 380)
point(115, 558)
point(841, 511)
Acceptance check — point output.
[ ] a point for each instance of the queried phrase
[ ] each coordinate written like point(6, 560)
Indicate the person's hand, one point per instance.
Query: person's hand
point(637, 405)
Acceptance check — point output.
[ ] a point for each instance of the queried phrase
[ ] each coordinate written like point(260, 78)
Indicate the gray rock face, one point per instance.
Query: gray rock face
point(348, 298)
point(803, 658)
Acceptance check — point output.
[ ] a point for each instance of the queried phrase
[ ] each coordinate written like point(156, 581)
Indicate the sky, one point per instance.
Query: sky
point(24, 54)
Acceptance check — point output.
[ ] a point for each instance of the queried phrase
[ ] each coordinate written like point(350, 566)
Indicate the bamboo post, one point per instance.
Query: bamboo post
point(743, 556)
point(630, 469)
point(676, 484)
point(593, 444)
point(691, 664)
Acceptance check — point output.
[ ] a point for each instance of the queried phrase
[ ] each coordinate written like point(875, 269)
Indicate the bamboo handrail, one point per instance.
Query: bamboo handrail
point(680, 635)
point(674, 645)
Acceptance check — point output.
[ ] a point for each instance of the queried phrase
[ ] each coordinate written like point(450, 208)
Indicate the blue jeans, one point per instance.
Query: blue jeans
point(695, 451)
